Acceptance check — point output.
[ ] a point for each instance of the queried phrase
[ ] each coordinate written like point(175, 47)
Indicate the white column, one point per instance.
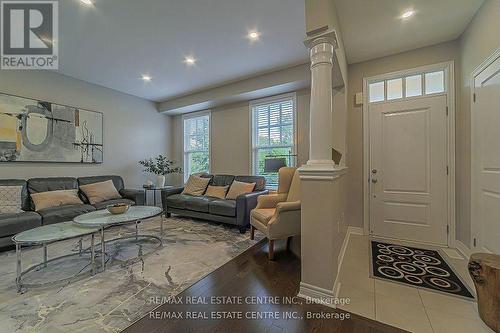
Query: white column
point(321, 106)
point(322, 184)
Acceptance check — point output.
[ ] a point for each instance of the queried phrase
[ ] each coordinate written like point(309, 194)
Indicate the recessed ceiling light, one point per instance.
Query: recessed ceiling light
point(87, 2)
point(407, 14)
point(253, 35)
point(146, 78)
point(190, 60)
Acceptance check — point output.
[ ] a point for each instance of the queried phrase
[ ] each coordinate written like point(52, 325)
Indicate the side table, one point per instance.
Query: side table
point(154, 189)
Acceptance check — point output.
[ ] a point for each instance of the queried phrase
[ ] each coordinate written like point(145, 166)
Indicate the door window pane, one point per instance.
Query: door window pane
point(434, 82)
point(377, 92)
point(413, 85)
point(394, 89)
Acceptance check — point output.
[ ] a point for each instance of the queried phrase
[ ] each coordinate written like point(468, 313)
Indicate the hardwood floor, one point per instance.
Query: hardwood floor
point(251, 275)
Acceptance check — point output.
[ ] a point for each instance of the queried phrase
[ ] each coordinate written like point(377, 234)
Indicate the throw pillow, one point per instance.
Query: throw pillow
point(217, 191)
point(10, 199)
point(196, 185)
point(99, 192)
point(44, 200)
point(239, 188)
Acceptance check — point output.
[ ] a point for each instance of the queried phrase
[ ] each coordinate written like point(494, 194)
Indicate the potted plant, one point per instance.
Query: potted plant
point(160, 166)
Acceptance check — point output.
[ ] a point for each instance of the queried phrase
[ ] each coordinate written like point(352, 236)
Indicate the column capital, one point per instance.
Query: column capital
point(328, 37)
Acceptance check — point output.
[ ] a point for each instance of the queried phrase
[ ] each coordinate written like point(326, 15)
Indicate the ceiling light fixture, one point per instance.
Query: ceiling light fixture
point(190, 60)
point(253, 35)
point(87, 2)
point(407, 14)
point(146, 78)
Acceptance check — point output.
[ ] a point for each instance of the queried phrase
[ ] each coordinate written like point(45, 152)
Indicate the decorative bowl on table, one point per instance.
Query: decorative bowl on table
point(118, 208)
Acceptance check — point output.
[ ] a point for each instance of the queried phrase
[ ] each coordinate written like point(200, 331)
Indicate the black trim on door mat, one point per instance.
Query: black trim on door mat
point(420, 268)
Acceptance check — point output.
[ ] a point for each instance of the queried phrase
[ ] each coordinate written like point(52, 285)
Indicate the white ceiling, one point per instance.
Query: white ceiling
point(372, 28)
point(116, 41)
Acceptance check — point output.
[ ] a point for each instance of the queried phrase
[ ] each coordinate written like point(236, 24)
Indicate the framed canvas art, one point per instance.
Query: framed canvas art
point(39, 131)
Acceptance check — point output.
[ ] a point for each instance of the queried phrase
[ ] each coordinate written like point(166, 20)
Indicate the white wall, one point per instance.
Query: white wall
point(478, 42)
point(133, 129)
point(230, 137)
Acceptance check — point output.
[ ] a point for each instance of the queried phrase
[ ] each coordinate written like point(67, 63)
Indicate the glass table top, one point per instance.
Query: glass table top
point(104, 218)
point(53, 232)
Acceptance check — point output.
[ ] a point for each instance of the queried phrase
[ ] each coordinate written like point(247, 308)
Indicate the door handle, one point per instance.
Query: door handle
point(374, 172)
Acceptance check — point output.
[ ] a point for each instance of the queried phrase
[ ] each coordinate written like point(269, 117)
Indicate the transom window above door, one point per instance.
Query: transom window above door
point(411, 85)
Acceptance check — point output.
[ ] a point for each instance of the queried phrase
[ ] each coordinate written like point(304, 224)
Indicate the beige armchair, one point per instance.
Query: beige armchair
point(278, 215)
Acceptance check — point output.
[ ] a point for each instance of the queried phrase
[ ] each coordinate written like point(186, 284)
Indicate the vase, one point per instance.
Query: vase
point(160, 181)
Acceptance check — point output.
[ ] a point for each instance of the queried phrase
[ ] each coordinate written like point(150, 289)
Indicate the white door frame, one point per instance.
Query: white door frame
point(449, 70)
point(473, 221)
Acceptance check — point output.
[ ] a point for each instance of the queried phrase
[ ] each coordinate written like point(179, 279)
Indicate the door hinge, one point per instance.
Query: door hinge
point(474, 97)
point(446, 110)
point(447, 229)
point(447, 170)
point(475, 242)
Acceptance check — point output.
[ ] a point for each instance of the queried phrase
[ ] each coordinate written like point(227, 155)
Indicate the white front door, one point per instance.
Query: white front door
point(486, 159)
point(408, 163)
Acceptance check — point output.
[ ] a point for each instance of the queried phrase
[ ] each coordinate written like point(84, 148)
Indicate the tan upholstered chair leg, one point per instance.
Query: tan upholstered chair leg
point(271, 249)
point(252, 232)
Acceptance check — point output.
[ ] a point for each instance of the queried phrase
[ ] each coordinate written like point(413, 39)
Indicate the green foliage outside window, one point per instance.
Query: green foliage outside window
point(198, 162)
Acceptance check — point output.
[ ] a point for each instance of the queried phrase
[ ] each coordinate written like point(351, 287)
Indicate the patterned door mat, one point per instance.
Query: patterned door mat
point(417, 267)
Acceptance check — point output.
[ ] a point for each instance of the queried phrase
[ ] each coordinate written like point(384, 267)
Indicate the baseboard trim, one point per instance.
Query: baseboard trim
point(462, 248)
point(350, 231)
point(323, 296)
point(355, 230)
point(317, 295)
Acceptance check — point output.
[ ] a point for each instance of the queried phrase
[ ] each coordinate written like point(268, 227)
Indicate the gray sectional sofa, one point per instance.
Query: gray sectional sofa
point(235, 212)
point(11, 224)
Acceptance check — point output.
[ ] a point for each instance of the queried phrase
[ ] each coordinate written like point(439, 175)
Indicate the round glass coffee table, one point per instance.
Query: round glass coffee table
point(104, 219)
point(45, 235)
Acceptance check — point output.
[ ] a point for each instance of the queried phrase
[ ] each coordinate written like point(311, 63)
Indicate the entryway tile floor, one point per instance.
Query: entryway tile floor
point(409, 308)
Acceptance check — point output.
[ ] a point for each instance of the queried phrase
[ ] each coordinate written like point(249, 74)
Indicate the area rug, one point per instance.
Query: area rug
point(417, 267)
point(110, 301)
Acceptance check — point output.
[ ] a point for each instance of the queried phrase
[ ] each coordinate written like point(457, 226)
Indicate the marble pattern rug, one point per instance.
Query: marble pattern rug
point(110, 301)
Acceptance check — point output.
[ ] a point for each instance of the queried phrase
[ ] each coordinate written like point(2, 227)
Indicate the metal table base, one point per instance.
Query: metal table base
point(136, 236)
point(20, 273)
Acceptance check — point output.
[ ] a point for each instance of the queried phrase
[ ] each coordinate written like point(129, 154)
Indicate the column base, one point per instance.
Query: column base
point(314, 294)
point(320, 171)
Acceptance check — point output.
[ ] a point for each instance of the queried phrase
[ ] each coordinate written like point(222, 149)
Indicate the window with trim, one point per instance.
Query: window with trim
point(196, 144)
point(273, 134)
point(413, 85)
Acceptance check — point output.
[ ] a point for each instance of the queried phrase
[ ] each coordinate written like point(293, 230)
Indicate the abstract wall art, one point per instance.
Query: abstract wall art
point(39, 131)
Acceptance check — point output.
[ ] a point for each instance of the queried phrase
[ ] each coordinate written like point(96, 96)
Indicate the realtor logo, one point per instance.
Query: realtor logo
point(29, 34)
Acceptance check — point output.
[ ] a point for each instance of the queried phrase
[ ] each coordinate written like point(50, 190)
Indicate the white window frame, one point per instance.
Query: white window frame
point(184, 152)
point(254, 129)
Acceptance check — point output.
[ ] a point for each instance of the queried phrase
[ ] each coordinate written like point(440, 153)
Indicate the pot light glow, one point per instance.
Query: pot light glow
point(146, 78)
point(253, 35)
point(407, 14)
point(87, 2)
point(190, 60)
